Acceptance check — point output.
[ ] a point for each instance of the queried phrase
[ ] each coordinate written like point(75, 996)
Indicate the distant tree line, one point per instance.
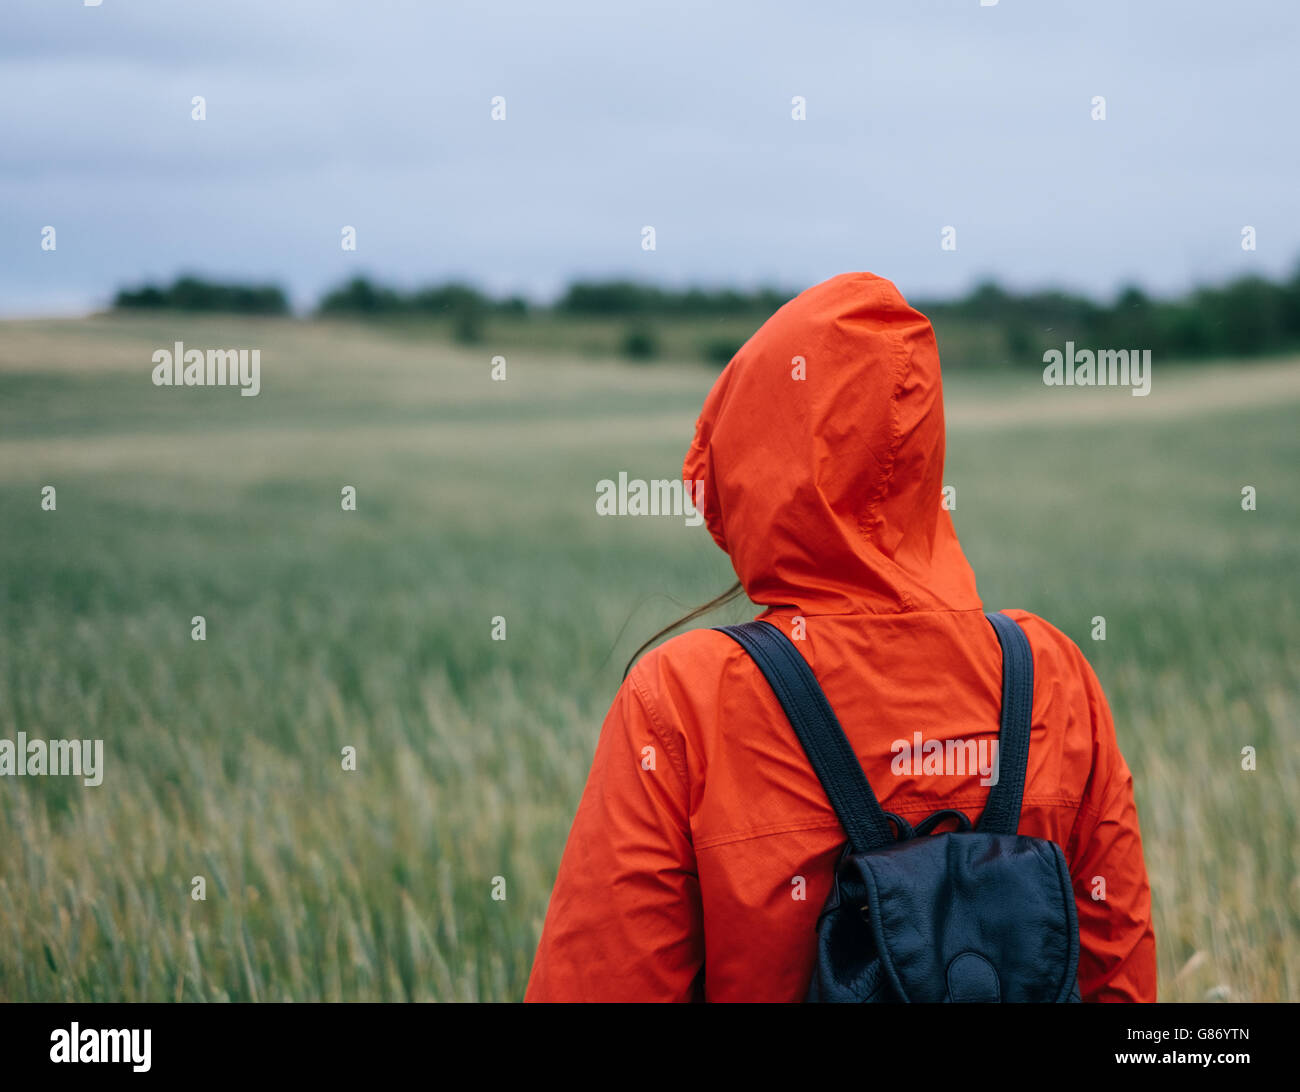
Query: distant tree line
point(189, 293)
point(1246, 316)
point(624, 299)
point(361, 297)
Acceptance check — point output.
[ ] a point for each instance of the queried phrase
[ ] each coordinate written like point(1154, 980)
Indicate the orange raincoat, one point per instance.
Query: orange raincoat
point(703, 846)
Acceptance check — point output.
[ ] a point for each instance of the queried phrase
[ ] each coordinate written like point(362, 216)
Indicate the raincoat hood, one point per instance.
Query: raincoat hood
point(818, 458)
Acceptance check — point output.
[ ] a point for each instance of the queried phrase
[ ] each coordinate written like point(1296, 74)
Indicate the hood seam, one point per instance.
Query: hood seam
point(870, 518)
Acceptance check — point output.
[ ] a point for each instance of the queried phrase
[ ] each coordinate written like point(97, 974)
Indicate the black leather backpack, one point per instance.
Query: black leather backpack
point(972, 914)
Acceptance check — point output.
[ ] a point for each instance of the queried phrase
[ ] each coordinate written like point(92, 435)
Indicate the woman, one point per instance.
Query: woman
point(704, 846)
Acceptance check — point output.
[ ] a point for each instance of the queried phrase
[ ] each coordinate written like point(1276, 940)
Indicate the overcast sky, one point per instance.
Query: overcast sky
point(377, 114)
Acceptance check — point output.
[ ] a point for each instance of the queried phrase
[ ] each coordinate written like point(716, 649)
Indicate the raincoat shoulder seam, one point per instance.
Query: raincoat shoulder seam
point(658, 728)
point(908, 809)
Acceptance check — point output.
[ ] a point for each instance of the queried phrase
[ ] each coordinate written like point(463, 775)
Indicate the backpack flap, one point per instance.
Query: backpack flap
point(972, 917)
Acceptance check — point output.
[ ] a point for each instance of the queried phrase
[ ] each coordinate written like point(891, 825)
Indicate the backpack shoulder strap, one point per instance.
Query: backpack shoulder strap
point(1002, 811)
point(820, 734)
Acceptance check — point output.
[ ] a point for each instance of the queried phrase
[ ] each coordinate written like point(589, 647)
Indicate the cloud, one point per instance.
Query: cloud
point(919, 116)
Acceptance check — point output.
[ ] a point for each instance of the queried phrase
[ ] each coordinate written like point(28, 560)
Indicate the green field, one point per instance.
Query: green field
point(372, 629)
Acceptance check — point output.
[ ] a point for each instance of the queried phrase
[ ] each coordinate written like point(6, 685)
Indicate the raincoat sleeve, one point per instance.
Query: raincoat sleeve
point(1117, 958)
point(624, 921)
